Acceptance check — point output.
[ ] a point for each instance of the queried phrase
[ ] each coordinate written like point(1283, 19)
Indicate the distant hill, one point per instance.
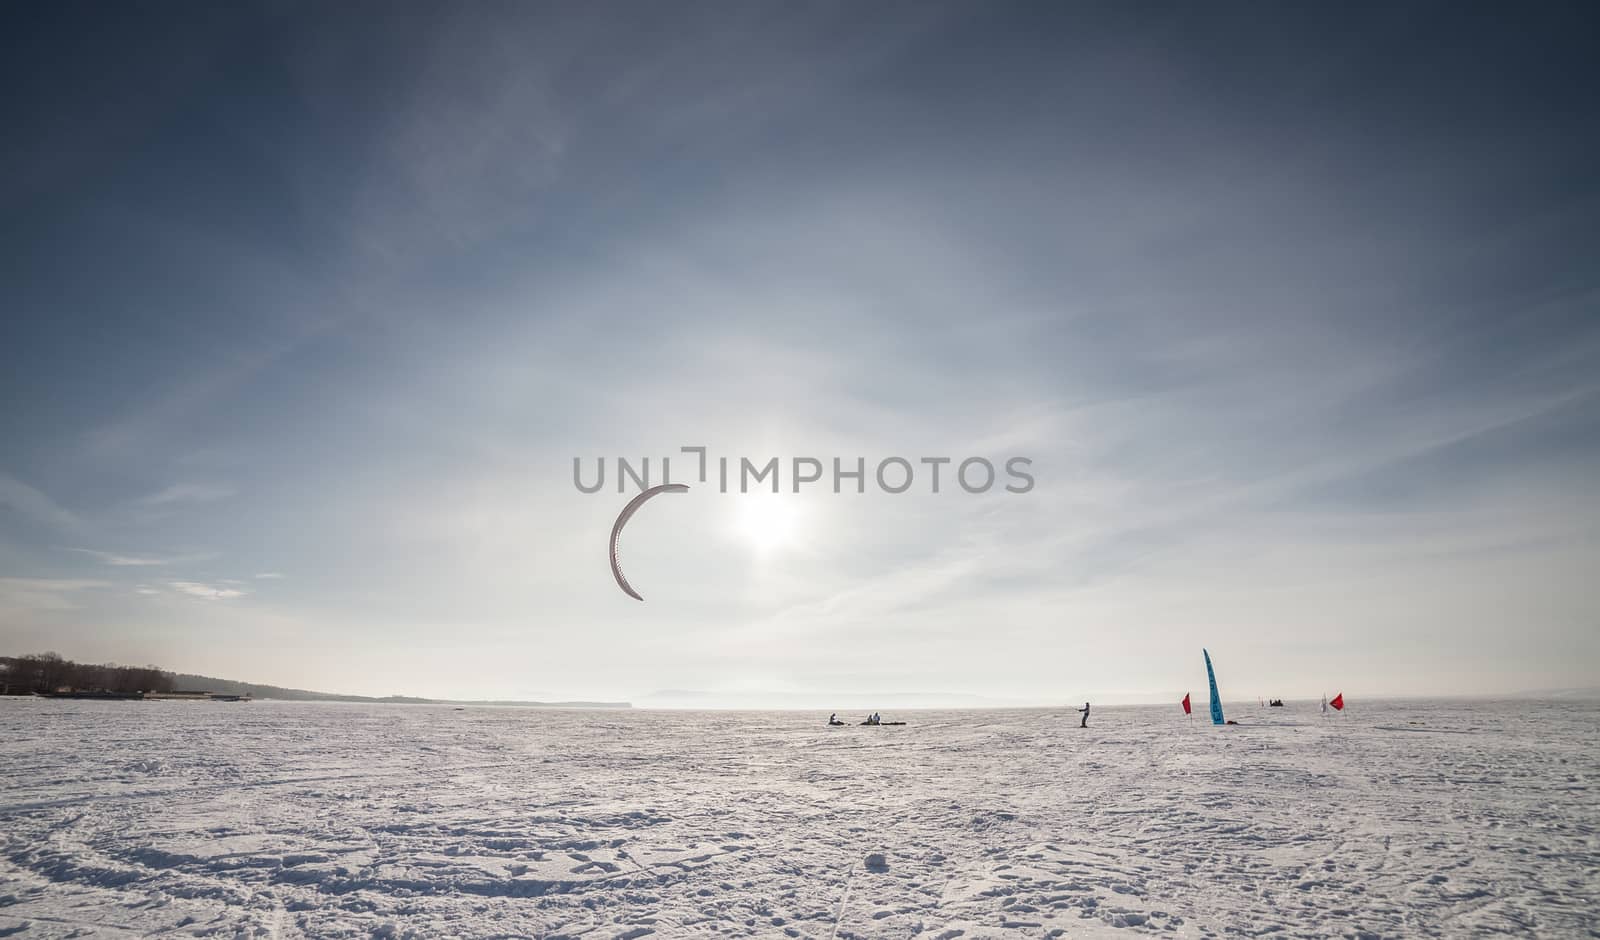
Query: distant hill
point(45, 672)
point(189, 681)
point(1582, 694)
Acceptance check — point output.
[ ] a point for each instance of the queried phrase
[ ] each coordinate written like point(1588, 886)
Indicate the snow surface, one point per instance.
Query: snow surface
point(298, 819)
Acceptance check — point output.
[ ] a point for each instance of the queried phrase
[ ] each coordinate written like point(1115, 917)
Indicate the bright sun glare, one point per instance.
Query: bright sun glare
point(766, 521)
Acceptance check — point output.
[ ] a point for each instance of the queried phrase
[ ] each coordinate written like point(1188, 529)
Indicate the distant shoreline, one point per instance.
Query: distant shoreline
point(45, 672)
point(348, 700)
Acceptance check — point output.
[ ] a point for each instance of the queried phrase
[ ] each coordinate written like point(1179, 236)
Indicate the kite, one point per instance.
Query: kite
point(1216, 700)
point(622, 520)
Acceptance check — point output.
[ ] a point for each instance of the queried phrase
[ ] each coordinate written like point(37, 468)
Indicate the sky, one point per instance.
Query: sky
point(306, 311)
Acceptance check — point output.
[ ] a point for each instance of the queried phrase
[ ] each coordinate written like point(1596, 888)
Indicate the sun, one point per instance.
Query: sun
point(767, 522)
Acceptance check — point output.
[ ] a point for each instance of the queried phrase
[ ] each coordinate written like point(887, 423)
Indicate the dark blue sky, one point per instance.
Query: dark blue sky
point(1293, 308)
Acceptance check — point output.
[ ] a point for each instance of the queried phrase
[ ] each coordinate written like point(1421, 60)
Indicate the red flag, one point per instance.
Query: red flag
point(1186, 703)
point(1337, 701)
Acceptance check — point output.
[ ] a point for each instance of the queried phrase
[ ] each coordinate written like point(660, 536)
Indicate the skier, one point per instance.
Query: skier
point(1084, 711)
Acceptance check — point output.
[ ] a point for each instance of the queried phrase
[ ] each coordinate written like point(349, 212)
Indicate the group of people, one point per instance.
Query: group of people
point(872, 719)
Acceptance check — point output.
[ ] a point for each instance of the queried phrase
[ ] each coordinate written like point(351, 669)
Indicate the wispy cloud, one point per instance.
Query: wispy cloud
point(209, 592)
point(34, 504)
point(141, 560)
point(188, 493)
point(121, 561)
point(269, 575)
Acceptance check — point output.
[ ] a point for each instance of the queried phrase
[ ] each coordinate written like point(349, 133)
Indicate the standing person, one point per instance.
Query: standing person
point(1084, 711)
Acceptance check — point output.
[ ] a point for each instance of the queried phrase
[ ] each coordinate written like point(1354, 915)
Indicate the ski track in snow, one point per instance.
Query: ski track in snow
point(269, 819)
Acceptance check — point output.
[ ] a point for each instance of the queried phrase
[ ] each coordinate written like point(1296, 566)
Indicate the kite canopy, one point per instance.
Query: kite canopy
point(622, 520)
point(1216, 700)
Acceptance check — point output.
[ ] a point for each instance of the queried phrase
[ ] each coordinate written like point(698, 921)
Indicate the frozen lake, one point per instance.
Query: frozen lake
point(290, 819)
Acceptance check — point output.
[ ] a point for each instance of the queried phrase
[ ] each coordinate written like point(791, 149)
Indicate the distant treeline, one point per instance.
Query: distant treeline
point(47, 672)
